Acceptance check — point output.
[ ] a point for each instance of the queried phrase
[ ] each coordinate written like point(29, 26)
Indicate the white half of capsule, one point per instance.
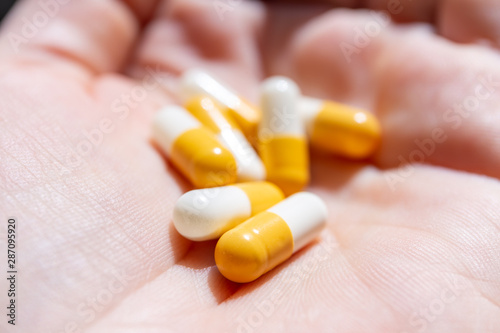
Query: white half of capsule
point(309, 108)
point(206, 213)
point(278, 101)
point(248, 163)
point(305, 214)
point(171, 122)
point(195, 82)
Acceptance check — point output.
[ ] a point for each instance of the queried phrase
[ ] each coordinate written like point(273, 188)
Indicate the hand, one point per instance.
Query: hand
point(408, 248)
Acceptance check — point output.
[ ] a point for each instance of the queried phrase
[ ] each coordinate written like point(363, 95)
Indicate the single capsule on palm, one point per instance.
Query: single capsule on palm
point(193, 148)
point(264, 241)
point(207, 213)
point(340, 129)
point(282, 143)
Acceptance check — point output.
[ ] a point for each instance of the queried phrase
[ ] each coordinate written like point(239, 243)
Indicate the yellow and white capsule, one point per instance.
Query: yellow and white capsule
point(282, 142)
point(193, 148)
point(195, 82)
point(339, 128)
point(249, 164)
point(264, 241)
point(207, 213)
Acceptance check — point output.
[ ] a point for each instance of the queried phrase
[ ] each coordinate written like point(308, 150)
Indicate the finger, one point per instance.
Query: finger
point(464, 21)
point(96, 35)
point(469, 21)
point(437, 101)
point(215, 35)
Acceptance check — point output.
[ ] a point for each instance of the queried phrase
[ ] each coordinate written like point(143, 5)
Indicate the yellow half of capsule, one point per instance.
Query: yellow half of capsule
point(286, 159)
point(346, 131)
point(262, 195)
point(247, 117)
point(254, 247)
point(202, 159)
point(207, 112)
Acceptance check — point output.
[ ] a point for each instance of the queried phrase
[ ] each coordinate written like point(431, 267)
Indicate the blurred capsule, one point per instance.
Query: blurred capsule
point(195, 82)
point(339, 128)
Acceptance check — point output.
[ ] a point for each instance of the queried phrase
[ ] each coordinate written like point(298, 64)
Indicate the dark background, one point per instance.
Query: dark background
point(5, 6)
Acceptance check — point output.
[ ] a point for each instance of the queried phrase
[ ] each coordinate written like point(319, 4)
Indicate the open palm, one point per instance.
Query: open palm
point(409, 247)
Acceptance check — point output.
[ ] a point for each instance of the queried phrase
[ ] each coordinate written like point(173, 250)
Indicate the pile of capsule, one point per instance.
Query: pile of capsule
point(240, 198)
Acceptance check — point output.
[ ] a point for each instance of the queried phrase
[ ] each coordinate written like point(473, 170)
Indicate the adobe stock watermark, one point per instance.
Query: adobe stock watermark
point(120, 109)
point(222, 7)
point(421, 319)
point(31, 26)
point(454, 116)
point(263, 310)
point(363, 36)
point(88, 309)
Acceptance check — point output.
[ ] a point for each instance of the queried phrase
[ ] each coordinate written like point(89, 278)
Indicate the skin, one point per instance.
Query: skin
point(407, 248)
